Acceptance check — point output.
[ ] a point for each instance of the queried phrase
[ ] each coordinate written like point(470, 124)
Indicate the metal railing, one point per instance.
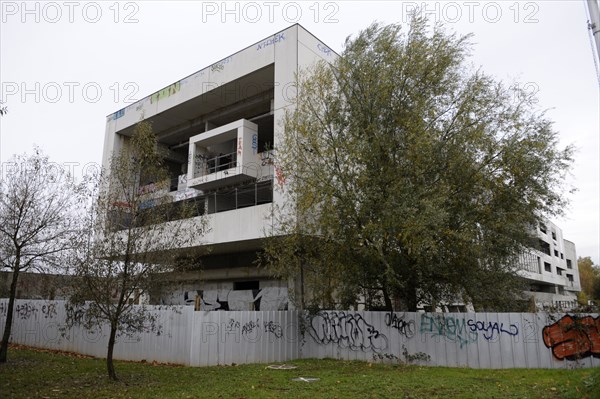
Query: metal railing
point(253, 194)
point(205, 166)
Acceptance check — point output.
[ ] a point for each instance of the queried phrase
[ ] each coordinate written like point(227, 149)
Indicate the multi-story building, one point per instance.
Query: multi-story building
point(551, 269)
point(217, 128)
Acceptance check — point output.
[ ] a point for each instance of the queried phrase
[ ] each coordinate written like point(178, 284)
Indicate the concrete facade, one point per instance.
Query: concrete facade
point(217, 128)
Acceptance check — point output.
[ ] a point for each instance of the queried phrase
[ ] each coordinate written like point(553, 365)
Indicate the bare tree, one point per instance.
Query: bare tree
point(38, 200)
point(134, 232)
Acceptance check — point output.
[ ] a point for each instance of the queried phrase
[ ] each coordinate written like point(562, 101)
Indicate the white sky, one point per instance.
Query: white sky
point(64, 66)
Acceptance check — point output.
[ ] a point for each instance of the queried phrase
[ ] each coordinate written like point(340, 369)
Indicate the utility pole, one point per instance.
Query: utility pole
point(594, 24)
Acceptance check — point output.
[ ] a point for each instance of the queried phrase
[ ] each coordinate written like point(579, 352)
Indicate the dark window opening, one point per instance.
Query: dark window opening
point(547, 267)
point(245, 285)
point(265, 133)
point(554, 235)
point(559, 271)
point(556, 253)
point(543, 228)
point(569, 264)
point(544, 247)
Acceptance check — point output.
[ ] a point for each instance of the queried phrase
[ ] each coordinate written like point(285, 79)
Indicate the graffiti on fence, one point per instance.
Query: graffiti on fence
point(453, 329)
point(49, 310)
point(492, 330)
point(273, 328)
point(232, 324)
point(347, 331)
point(25, 311)
point(404, 327)
point(573, 337)
point(252, 329)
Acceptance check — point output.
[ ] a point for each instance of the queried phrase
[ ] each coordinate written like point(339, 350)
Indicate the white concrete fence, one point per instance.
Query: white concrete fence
point(477, 340)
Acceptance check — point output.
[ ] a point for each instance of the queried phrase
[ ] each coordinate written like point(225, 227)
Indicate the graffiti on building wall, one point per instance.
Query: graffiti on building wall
point(268, 298)
point(269, 42)
point(347, 330)
point(166, 92)
point(573, 337)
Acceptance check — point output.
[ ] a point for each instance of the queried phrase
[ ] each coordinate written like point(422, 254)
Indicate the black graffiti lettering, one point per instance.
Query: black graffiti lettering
point(404, 327)
point(273, 328)
point(347, 331)
point(49, 310)
point(232, 324)
point(250, 327)
point(25, 311)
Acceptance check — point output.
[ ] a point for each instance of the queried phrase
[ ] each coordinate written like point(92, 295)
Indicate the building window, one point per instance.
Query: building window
point(544, 247)
point(570, 277)
point(569, 264)
point(547, 267)
point(559, 271)
point(556, 253)
point(554, 235)
point(543, 228)
point(562, 256)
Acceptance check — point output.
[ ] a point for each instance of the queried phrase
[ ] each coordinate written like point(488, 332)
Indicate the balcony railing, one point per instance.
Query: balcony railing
point(243, 196)
point(205, 166)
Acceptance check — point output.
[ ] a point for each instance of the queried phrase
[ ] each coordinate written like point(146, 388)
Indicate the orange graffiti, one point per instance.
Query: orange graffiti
point(573, 337)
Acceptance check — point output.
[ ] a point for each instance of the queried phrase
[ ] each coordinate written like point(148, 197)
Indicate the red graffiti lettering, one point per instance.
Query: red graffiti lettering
point(573, 337)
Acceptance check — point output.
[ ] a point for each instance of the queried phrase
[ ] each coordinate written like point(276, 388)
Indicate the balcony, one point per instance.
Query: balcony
point(225, 156)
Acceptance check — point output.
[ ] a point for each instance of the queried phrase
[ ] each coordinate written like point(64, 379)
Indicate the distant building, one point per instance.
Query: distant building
point(551, 269)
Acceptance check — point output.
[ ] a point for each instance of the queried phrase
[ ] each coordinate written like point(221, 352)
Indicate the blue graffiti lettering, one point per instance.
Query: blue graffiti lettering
point(269, 42)
point(324, 49)
point(492, 329)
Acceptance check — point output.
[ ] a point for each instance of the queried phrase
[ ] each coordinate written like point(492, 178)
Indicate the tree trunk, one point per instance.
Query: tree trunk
point(411, 297)
point(389, 307)
point(109, 356)
point(9, 315)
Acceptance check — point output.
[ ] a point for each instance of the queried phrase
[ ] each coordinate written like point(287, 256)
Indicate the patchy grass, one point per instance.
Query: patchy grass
point(34, 373)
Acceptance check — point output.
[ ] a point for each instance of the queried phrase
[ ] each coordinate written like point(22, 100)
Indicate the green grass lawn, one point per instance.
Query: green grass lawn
point(33, 373)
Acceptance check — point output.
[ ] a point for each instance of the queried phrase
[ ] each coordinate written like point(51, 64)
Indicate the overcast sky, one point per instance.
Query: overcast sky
point(64, 66)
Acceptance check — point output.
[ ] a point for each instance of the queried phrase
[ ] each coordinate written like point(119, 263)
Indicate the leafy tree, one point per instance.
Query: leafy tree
point(38, 200)
point(409, 177)
point(589, 276)
point(596, 287)
point(134, 232)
